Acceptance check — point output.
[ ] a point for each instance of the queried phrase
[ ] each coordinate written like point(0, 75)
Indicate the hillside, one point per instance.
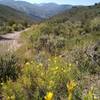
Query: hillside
point(37, 11)
point(74, 37)
point(58, 59)
point(11, 19)
point(8, 14)
point(80, 13)
point(77, 22)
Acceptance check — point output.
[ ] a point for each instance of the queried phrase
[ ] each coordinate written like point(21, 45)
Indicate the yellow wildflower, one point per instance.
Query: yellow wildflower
point(49, 59)
point(64, 70)
point(32, 62)
point(1, 83)
point(56, 68)
point(40, 64)
point(95, 98)
point(51, 82)
point(55, 61)
point(70, 65)
point(90, 95)
point(55, 72)
point(8, 98)
point(37, 66)
point(60, 56)
point(26, 81)
point(71, 86)
point(49, 96)
point(12, 97)
point(42, 74)
point(27, 63)
point(55, 58)
point(4, 87)
point(69, 69)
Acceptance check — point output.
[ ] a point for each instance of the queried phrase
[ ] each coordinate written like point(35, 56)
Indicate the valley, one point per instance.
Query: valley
point(49, 51)
point(37, 11)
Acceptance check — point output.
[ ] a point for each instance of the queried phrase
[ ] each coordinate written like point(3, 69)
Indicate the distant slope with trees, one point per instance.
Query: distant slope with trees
point(37, 11)
point(13, 20)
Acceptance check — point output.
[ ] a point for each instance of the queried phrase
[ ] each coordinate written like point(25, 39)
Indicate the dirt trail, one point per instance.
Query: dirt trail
point(11, 40)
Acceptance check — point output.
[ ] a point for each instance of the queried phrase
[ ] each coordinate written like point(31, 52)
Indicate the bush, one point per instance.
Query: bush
point(8, 29)
point(50, 43)
point(5, 29)
point(14, 27)
point(95, 24)
point(87, 58)
point(20, 27)
point(37, 79)
point(8, 68)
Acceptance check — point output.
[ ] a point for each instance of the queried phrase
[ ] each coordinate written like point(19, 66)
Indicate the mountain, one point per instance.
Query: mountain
point(79, 13)
point(66, 31)
point(13, 20)
point(51, 9)
point(10, 14)
point(74, 35)
point(39, 11)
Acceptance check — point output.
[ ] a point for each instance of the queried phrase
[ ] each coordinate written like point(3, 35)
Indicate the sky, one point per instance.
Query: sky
point(73, 2)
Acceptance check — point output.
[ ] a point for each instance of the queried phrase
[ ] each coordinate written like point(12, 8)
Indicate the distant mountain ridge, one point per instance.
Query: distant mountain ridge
point(10, 14)
point(13, 20)
point(79, 13)
point(39, 11)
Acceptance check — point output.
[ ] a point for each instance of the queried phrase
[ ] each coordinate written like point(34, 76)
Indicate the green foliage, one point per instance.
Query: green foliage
point(36, 79)
point(11, 27)
point(95, 24)
point(90, 95)
point(8, 68)
point(5, 29)
point(12, 20)
point(60, 53)
point(72, 35)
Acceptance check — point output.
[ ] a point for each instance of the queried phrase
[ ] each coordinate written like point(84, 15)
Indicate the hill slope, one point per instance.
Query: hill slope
point(80, 13)
point(59, 59)
point(39, 11)
point(8, 14)
point(12, 20)
point(73, 36)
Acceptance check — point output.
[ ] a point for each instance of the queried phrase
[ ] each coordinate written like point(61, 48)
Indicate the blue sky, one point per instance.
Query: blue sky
point(74, 2)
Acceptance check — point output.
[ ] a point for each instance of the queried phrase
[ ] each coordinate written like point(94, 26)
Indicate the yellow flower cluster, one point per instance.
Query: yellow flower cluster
point(90, 95)
point(2, 84)
point(11, 97)
point(49, 96)
point(40, 64)
point(27, 64)
point(26, 81)
point(70, 87)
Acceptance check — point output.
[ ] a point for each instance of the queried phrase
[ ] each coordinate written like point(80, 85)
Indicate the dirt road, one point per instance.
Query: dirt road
point(11, 40)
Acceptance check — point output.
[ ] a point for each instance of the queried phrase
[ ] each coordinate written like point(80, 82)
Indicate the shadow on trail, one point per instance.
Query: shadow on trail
point(4, 38)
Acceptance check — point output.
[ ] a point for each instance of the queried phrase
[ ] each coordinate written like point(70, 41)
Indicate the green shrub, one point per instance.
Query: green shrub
point(14, 27)
point(20, 27)
point(8, 29)
point(8, 68)
point(5, 29)
point(37, 79)
point(95, 24)
point(50, 43)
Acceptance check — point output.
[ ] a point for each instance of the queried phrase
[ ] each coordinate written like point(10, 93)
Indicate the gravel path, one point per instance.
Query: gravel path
point(11, 40)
